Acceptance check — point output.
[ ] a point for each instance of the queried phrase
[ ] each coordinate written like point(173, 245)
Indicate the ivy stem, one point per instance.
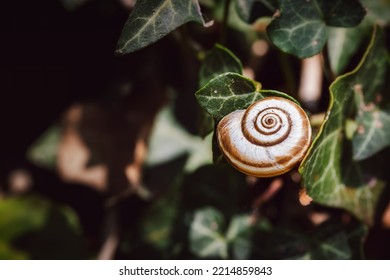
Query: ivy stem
point(288, 73)
point(111, 235)
point(225, 21)
point(316, 120)
point(187, 45)
point(326, 66)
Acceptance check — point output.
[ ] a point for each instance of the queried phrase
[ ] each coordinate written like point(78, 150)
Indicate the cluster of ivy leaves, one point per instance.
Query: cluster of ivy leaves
point(344, 167)
point(202, 215)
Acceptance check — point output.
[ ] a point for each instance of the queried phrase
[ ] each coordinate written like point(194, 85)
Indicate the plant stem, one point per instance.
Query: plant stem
point(326, 66)
point(111, 235)
point(288, 73)
point(316, 120)
point(224, 22)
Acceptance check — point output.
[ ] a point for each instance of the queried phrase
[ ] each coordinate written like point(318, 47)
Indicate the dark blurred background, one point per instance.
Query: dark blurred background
point(51, 58)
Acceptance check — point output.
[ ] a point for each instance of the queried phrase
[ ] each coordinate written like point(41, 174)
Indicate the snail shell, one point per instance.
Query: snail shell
point(267, 139)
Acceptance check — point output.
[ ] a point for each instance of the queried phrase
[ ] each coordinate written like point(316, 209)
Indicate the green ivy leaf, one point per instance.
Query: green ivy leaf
point(39, 229)
point(332, 240)
point(169, 140)
point(244, 7)
point(343, 44)
point(229, 92)
point(342, 13)
point(378, 11)
point(300, 28)
point(210, 239)
point(7, 252)
point(204, 186)
point(158, 220)
point(239, 236)
point(43, 151)
point(206, 234)
point(218, 61)
point(373, 117)
point(330, 175)
point(373, 133)
point(18, 216)
point(335, 241)
point(149, 21)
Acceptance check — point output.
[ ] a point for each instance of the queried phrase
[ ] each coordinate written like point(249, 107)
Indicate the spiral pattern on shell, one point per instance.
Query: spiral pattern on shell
point(267, 139)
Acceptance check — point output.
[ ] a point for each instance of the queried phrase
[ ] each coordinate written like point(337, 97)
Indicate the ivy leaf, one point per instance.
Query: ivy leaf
point(18, 216)
point(373, 132)
point(300, 27)
point(332, 240)
point(373, 117)
point(239, 235)
point(229, 92)
point(169, 140)
point(206, 234)
point(342, 13)
point(330, 175)
point(218, 61)
point(149, 21)
point(210, 239)
point(40, 229)
point(157, 223)
point(245, 7)
point(343, 44)
point(7, 252)
point(378, 11)
point(204, 186)
point(43, 151)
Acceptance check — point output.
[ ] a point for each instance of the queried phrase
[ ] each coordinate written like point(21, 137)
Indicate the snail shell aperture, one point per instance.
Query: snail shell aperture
point(267, 139)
